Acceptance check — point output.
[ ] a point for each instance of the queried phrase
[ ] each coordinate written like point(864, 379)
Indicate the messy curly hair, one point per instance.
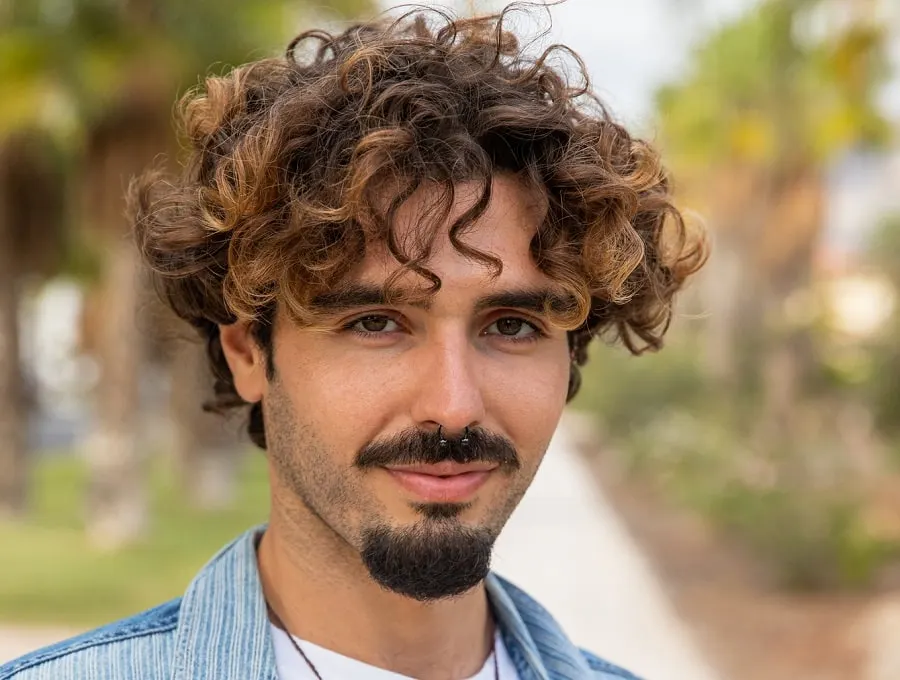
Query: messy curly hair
point(289, 160)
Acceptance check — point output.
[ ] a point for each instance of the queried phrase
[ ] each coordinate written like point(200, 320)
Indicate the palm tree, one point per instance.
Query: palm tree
point(31, 216)
point(31, 224)
point(751, 132)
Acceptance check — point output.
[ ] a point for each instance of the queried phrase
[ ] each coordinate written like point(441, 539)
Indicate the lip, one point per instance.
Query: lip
point(436, 484)
point(445, 468)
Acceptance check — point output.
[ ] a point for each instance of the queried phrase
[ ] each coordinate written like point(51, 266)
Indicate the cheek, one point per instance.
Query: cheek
point(360, 387)
point(346, 399)
point(529, 400)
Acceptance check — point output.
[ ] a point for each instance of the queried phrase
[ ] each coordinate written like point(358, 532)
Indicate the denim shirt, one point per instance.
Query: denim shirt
point(219, 630)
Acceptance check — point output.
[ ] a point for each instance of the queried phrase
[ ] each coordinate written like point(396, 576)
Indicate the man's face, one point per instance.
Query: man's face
point(352, 412)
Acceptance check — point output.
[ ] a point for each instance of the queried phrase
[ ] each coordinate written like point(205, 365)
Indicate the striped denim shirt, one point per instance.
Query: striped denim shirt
point(218, 630)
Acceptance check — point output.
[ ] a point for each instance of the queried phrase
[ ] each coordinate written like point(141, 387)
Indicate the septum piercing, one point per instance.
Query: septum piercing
point(443, 443)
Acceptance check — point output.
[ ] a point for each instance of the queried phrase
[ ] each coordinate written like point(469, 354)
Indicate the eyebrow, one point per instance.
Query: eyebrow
point(357, 295)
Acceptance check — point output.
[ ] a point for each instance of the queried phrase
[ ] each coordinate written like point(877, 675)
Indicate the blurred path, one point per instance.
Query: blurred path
point(566, 547)
point(16, 641)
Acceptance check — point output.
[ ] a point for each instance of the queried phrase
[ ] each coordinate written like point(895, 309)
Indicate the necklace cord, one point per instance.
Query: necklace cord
point(280, 624)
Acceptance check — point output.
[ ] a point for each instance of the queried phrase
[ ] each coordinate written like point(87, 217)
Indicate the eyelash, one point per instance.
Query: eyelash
point(534, 337)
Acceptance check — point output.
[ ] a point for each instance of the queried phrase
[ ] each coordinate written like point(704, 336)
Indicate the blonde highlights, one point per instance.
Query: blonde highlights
point(296, 164)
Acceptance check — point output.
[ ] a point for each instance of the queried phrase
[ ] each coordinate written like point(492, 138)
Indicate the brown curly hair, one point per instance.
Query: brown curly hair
point(290, 158)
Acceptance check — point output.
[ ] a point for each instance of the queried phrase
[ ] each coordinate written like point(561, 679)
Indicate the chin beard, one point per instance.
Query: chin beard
point(432, 560)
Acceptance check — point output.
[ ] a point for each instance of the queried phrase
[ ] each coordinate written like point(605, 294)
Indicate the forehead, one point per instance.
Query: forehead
point(504, 231)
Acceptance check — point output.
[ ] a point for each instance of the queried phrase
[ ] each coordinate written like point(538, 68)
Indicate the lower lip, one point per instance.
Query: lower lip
point(451, 489)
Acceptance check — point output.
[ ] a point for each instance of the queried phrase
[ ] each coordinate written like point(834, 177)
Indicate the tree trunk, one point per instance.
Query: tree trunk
point(120, 145)
point(733, 285)
point(206, 452)
point(116, 503)
point(723, 286)
point(787, 252)
point(32, 210)
point(13, 454)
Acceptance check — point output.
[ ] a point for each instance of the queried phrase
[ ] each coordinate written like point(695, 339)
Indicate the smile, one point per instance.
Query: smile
point(444, 482)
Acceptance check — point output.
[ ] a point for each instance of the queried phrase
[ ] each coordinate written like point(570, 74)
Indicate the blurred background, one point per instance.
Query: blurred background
point(755, 461)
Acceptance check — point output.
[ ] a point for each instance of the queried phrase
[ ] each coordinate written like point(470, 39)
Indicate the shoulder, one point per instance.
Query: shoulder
point(139, 647)
point(606, 670)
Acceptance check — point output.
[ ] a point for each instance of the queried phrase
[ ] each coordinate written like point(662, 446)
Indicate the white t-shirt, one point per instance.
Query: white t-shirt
point(334, 666)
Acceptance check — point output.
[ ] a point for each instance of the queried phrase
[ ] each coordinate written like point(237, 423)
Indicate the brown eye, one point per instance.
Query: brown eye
point(374, 324)
point(509, 326)
point(514, 329)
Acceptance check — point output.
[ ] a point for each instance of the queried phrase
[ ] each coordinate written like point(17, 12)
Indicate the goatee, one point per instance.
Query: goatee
point(431, 561)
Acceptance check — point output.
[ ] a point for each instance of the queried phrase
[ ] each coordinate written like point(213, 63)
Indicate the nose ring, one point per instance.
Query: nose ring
point(443, 443)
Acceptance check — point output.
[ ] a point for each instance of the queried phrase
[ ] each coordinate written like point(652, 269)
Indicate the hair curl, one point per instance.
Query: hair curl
point(289, 160)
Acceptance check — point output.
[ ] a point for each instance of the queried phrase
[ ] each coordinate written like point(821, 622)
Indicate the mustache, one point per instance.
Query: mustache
point(415, 447)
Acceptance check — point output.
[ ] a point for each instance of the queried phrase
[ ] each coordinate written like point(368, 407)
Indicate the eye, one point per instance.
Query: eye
point(514, 329)
point(374, 324)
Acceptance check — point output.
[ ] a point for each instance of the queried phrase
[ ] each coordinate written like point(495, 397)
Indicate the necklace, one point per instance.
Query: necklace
point(277, 621)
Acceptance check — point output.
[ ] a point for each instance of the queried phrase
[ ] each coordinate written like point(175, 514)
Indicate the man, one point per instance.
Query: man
point(396, 243)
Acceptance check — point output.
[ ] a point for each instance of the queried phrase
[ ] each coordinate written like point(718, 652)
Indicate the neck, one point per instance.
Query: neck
point(322, 593)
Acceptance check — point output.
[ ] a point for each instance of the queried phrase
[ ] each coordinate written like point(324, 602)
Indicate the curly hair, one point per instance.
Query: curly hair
point(289, 160)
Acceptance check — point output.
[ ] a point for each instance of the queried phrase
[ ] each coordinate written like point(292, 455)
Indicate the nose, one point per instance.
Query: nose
point(449, 389)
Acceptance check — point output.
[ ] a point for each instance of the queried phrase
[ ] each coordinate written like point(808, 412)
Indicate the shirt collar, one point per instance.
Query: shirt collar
point(223, 631)
point(535, 640)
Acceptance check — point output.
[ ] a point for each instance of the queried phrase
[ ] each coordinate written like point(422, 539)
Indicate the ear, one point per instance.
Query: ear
point(245, 359)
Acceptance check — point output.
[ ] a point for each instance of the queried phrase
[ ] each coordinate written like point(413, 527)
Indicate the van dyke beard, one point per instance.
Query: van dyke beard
point(438, 558)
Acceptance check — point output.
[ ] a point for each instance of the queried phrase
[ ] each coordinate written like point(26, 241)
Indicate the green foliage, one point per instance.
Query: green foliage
point(72, 64)
point(884, 351)
point(813, 540)
point(763, 94)
point(770, 101)
point(884, 249)
point(53, 575)
point(80, 55)
point(629, 392)
point(695, 441)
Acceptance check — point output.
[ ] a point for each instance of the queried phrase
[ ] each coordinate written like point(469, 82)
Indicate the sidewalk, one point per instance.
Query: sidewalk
point(566, 547)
